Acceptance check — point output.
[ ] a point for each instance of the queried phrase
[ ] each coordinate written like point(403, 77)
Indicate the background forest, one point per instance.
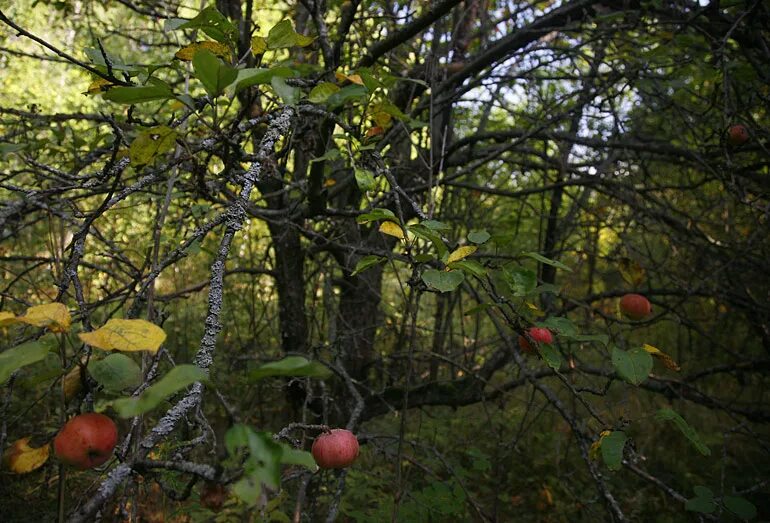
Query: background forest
point(231, 226)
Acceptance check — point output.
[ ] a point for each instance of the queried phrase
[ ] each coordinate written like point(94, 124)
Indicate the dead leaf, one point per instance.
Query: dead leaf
point(664, 358)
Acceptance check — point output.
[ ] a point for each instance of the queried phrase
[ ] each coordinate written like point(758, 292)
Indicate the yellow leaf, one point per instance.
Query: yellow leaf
point(330, 182)
point(382, 119)
point(126, 336)
point(532, 306)
point(258, 45)
point(392, 229)
point(98, 86)
point(664, 358)
point(7, 318)
point(20, 458)
point(187, 52)
point(356, 79)
point(461, 253)
point(353, 78)
point(54, 316)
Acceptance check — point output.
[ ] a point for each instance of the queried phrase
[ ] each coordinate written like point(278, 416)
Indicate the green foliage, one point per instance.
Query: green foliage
point(262, 460)
point(612, 449)
point(116, 372)
point(178, 378)
point(633, 365)
point(684, 428)
point(213, 73)
point(150, 144)
point(22, 355)
point(442, 281)
point(291, 366)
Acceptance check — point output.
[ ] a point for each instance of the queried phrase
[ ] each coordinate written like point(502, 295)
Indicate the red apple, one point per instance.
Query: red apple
point(336, 449)
point(635, 306)
point(737, 135)
point(86, 441)
point(539, 334)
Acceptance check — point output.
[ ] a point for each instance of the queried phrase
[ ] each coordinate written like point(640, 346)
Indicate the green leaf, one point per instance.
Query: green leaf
point(633, 366)
point(213, 73)
point(21, 356)
point(470, 266)
point(321, 92)
point(116, 372)
point(443, 281)
point(434, 225)
point(150, 144)
point(377, 214)
point(258, 76)
point(177, 379)
point(702, 502)
point(478, 237)
point(282, 35)
point(365, 179)
point(6, 148)
point(366, 262)
point(349, 92)
point(262, 458)
point(210, 21)
point(741, 507)
point(547, 261)
point(292, 456)
point(612, 449)
point(520, 281)
point(289, 94)
point(328, 156)
point(262, 463)
point(685, 428)
point(551, 355)
point(563, 326)
point(156, 90)
point(421, 231)
point(291, 366)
